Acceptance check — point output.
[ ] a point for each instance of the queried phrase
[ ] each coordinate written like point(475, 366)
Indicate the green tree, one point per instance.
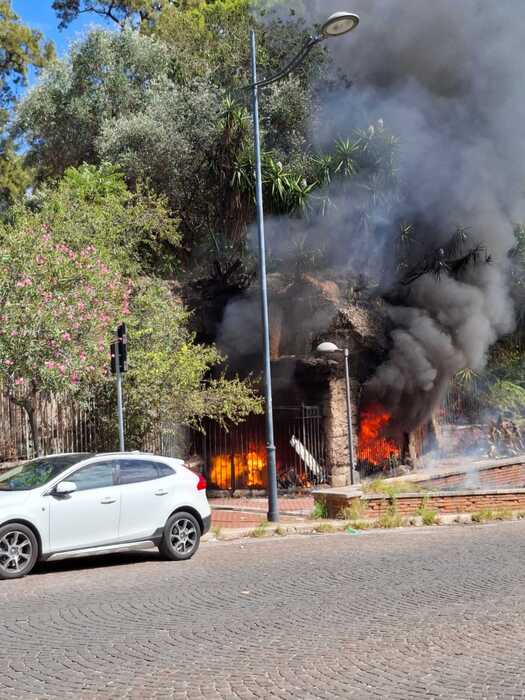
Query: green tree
point(21, 49)
point(171, 378)
point(118, 11)
point(77, 259)
point(166, 105)
point(94, 205)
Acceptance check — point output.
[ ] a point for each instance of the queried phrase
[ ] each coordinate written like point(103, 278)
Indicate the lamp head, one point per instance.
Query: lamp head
point(339, 23)
point(328, 347)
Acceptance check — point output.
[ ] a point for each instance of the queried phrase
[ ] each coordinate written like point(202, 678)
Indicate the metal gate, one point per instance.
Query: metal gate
point(236, 458)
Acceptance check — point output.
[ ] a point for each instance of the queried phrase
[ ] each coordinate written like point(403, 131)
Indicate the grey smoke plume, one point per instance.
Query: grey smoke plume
point(445, 76)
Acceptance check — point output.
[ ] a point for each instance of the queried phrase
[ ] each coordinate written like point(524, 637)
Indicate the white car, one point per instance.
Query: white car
point(70, 505)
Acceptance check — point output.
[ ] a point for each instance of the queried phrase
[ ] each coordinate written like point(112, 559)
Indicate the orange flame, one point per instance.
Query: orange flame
point(249, 469)
point(373, 447)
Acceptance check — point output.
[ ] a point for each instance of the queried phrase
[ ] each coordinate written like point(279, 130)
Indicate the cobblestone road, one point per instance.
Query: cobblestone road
point(398, 614)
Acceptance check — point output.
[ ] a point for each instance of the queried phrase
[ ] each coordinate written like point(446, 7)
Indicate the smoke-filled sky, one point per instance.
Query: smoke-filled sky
point(445, 76)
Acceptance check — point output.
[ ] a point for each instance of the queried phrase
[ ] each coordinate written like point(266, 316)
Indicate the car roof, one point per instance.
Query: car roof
point(92, 455)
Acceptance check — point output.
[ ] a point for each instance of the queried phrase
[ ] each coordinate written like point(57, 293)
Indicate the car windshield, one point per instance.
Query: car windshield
point(32, 475)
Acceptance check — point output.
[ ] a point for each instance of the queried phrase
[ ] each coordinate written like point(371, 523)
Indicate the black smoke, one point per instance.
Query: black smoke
point(445, 76)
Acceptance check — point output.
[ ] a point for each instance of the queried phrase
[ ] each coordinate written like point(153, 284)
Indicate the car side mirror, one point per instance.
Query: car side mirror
point(64, 488)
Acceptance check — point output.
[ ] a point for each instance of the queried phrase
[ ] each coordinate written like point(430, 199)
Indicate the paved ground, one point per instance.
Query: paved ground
point(397, 614)
point(247, 512)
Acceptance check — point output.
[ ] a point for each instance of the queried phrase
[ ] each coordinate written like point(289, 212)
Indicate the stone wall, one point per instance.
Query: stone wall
point(336, 430)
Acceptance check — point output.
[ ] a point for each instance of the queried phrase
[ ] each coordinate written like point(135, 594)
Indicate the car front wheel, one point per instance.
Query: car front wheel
point(181, 537)
point(18, 550)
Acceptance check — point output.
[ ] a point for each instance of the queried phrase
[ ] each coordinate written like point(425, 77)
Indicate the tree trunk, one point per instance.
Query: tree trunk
point(31, 407)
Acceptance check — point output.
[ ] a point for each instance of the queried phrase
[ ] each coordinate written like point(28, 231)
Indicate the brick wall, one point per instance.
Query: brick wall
point(444, 502)
point(496, 476)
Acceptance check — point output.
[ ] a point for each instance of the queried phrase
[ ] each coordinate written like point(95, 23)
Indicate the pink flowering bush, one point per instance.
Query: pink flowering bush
point(58, 307)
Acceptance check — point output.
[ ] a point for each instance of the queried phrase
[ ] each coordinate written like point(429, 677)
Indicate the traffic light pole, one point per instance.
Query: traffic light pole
point(120, 409)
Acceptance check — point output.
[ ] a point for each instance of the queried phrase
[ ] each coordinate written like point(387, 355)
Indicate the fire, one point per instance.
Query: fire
point(249, 469)
point(373, 446)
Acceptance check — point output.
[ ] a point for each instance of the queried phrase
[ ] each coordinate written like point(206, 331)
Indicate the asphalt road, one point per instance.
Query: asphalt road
point(435, 612)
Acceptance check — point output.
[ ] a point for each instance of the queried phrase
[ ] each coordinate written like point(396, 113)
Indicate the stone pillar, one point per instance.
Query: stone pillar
point(276, 331)
point(336, 430)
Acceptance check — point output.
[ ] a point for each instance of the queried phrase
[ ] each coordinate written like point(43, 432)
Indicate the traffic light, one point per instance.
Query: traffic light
point(122, 340)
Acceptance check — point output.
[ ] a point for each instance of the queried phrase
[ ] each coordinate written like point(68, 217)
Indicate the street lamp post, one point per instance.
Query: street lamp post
point(330, 348)
point(336, 25)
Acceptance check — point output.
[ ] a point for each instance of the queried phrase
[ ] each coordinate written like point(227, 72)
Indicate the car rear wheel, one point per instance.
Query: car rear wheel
point(18, 550)
point(181, 537)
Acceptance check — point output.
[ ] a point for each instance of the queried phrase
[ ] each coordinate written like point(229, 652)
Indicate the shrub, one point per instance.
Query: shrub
point(390, 518)
point(353, 511)
point(482, 516)
point(429, 516)
point(260, 530)
point(320, 510)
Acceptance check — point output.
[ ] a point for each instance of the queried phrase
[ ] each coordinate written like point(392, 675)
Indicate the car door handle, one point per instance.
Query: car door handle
point(161, 492)
point(106, 501)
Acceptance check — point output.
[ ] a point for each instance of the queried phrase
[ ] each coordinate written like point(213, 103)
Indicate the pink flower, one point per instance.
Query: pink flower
point(14, 333)
point(50, 364)
point(19, 381)
point(62, 369)
point(8, 362)
point(74, 378)
point(66, 336)
point(83, 357)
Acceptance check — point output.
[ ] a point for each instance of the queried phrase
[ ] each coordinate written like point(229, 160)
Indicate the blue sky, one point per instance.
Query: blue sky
point(39, 15)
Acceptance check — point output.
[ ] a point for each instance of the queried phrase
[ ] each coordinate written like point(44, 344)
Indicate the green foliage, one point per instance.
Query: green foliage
point(93, 205)
point(483, 516)
point(260, 530)
point(58, 301)
point(360, 524)
point(105, 76)
point(429, 516)
point(390, 518)
point(119, 11)
point(156, 103)
point(320, 509)
point(506, 396)
point(486, 515)
point(22, 48)
point(74, 264)
point(354, 511)
point(391, 488)
point(14, 177)
point(169, 380)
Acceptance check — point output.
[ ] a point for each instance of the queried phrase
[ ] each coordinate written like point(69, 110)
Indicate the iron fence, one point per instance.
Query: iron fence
point(235, 458)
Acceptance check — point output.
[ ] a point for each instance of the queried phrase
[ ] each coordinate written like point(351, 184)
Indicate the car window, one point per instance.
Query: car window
point(164, 470)
point(134, 470)
point(38, 472)
point(94, 476)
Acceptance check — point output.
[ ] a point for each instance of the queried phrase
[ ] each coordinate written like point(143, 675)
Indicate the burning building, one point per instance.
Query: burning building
point(309, 395)
point(430, 233)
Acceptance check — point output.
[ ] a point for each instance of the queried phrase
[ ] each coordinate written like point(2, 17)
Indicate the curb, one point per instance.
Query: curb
point(275, 530)
point(268, 530)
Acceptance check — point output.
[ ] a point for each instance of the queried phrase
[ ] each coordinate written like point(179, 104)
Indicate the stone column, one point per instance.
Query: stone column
point(336, 430)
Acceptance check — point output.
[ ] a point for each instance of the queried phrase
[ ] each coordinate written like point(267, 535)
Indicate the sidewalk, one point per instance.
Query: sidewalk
point(249, 512)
